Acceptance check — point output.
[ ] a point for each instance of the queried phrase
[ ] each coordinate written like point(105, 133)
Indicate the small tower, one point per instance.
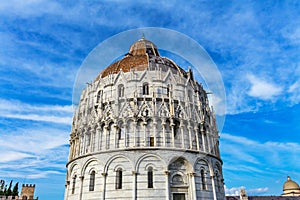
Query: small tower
point(243, 195)
point(27, 192)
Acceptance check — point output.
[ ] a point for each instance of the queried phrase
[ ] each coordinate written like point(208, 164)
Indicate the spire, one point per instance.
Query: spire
point(143, 36)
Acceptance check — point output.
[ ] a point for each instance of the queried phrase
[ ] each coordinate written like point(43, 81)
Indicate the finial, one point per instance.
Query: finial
point(143, 36)
point(288, 178)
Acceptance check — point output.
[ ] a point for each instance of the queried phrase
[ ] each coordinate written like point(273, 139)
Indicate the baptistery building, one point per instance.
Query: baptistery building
point(144, 129)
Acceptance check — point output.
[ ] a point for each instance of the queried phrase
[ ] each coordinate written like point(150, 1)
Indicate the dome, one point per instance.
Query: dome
point(290, 185)
point(142, 55)
point(142, 47)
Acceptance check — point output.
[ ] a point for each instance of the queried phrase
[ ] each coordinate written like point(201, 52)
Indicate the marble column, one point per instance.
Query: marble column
point(104, 184)
point(167, 173)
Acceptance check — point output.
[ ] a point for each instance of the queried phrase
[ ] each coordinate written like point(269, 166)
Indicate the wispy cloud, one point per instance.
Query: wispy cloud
point(36, 153)
point(262, 89)
point(48, 113)
point(33, 140)
point(235, 191)
point(261, 153)
point(8, 156)
point(257, 163)
point(294, 91)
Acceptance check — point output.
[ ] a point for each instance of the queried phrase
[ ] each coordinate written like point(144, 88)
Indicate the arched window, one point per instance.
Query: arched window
point(168, 90)
point(218, 181)
point(190, 95)
point(151, 141)
point(99, 96)
point(150, 177)
point(145, 89)
point(92, 181)
point(88, 139)
point(73, 184)
point(203, 181)
point(119, 179)
point(121, 90)
point(121, 132)
point(176, 129)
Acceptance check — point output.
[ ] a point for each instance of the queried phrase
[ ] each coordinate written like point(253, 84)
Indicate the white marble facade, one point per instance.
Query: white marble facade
point(144, 131)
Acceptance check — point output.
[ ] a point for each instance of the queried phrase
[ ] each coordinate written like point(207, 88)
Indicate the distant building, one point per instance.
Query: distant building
point(291, 191)
point(144, 130)
point(27, 193)
point(291, 188)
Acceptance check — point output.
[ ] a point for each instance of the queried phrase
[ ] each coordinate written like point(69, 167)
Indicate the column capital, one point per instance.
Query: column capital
point(192, 174)
point(104, 174)
point(81, 177)
point(134, 173)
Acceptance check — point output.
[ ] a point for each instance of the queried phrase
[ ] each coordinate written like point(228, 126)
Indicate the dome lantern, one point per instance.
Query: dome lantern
point(143, 47)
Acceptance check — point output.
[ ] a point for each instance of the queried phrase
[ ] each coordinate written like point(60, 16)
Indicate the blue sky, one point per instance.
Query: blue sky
point(255, 45)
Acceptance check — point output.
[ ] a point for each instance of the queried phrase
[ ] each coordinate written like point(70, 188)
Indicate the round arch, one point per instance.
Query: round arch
point(211, 170)
point(146, 156)
point(73, 165)
point(114, 158)
point(86, 164)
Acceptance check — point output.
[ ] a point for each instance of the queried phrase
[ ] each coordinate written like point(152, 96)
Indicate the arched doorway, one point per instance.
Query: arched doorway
point(179, 179)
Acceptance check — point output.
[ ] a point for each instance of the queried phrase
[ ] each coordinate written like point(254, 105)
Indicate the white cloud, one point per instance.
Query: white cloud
point(262, 89)
point(32, 140)
point(253, 146)
point(243, 155)
point(35, 117)
point(294, 91)
point(42, 174)
point(48, 113)
point(15, 105)
point(29, 7)
point(35, 152)
point(7, 156)
point(235, 191)
point(258, 190)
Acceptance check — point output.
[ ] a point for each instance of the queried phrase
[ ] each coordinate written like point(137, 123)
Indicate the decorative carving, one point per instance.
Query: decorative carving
point(177, 180)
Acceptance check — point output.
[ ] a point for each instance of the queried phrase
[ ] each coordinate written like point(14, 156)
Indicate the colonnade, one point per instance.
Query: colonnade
point(143, 134)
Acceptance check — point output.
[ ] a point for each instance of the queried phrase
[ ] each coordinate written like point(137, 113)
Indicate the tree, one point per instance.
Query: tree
point(15, 191)
point(9, 192)
point(2, 184)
